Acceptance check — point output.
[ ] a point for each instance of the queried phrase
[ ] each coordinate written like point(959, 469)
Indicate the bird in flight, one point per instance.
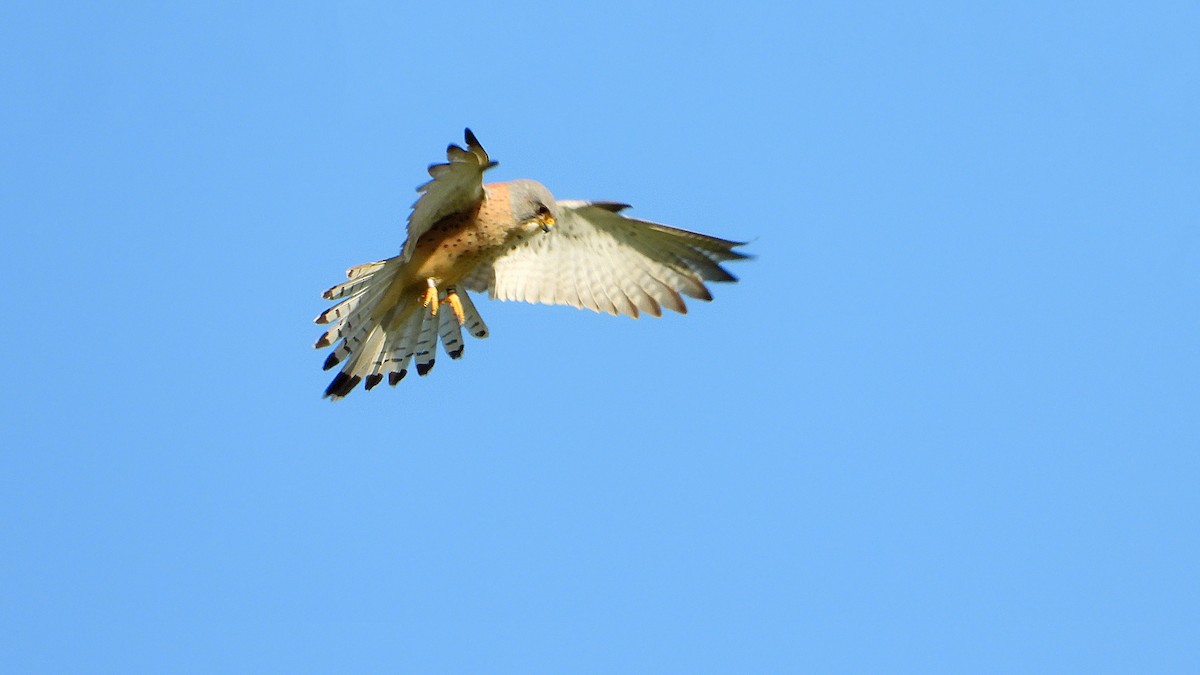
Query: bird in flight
point(517, 242)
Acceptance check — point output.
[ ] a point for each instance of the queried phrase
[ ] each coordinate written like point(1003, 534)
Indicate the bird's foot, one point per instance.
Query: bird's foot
point(455, 303)
point(429, 299)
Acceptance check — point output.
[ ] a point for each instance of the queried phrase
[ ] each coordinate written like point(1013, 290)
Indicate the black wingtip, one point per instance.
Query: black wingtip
point(372, 380)
point(722, 275)
point(470, 137)
point(613, 207)
point(394, 378)
point(342, 384)
point(424, 368)
point(456, 354)
point(738, 255)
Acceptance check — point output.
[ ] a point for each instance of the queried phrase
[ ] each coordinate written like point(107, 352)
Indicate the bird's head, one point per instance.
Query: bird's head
point(533, 207)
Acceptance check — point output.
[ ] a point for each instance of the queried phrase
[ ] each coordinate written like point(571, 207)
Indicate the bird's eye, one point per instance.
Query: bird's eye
point(544, 217)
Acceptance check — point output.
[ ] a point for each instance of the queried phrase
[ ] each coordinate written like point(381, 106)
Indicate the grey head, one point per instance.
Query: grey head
point(532, 204)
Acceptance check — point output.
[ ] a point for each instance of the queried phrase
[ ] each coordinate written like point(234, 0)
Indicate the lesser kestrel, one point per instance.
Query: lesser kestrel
point(517, 242)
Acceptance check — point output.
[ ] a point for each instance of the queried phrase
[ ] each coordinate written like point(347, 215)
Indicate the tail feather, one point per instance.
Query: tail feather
point(347, 306)
point(370, 347)
point(351, 317)
point(355, 311)
point(349, 344)
point(451, 334)
point(379, 363)
point(357, 366)
point(473, 323)
point(357, 276)
point(402, 345)
point(427, 345)
point(342, 385)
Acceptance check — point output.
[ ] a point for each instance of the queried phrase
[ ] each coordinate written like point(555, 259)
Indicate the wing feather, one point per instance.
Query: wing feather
point(457, 186)
point(604, 261)
point(370, 341)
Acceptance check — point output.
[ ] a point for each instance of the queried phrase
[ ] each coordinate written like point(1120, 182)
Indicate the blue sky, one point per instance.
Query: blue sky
point(946, 422)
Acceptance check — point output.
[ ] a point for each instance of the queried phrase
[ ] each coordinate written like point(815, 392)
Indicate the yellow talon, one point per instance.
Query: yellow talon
point(430, 299)
point(456, 306)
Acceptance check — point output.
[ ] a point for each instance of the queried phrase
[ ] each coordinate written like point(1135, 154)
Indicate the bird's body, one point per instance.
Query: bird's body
point(453, 248)
point(517, 242)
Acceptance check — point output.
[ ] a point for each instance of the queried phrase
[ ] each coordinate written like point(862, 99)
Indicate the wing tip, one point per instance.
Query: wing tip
point(612, 207)
point(738, 255)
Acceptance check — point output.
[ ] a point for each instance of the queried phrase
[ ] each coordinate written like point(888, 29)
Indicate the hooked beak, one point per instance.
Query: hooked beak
point(547, 222)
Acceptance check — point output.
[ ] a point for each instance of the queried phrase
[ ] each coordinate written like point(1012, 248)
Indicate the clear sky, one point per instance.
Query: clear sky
point(946, 421)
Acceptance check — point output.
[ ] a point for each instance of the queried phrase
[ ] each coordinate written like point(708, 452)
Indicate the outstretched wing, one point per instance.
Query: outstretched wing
point(596, 258)
point(457, 186)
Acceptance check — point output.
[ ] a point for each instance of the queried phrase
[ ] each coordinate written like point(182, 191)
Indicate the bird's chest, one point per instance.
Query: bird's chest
point(456, 245)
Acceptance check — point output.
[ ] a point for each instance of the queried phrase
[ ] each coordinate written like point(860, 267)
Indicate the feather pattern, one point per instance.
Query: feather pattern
point(457, 186)
point(408, 333)
point(473, 323)
point(357, 276)
point(451, 334)
point(354, 312)
point(399, 351)
point(604, 261)
point(589, 255)
point(426, 351)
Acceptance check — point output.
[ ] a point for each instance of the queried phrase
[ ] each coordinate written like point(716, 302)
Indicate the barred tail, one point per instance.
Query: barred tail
point(373, 342)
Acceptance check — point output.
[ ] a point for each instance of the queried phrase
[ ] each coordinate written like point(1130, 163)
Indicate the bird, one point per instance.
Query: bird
point(514, 241)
